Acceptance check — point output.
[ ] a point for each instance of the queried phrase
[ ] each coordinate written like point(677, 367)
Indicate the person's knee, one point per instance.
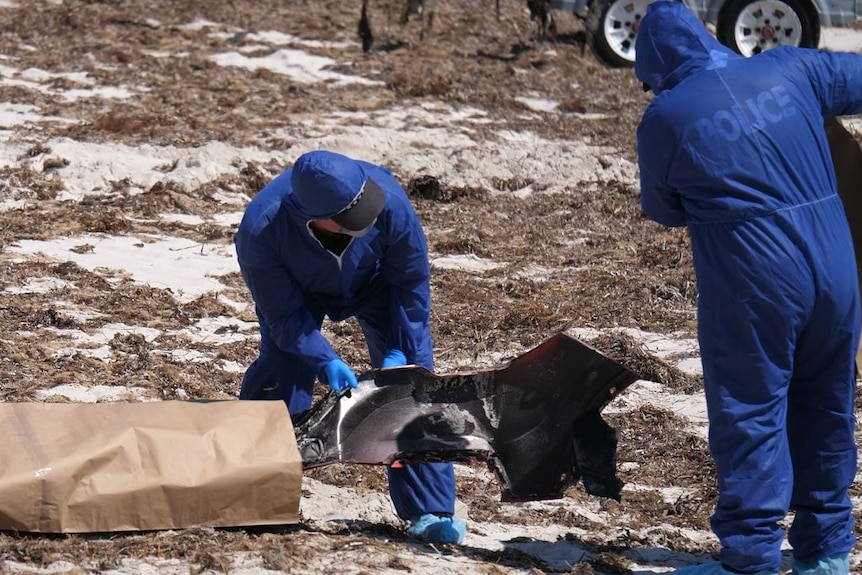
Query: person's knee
point(279, 377)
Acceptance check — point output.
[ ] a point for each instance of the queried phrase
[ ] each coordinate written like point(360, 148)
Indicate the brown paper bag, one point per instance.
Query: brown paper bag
point(847, 158)
point(86, 468)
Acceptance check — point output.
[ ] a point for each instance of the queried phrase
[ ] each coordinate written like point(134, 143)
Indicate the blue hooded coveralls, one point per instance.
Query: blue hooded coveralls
point(734, 149)
point(381, 278)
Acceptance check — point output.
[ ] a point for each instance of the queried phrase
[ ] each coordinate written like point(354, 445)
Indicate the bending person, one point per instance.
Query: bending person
point(337, 237)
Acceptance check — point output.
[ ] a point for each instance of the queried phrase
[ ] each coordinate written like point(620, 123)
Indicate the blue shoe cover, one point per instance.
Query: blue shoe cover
point(835, 565)
point(436, 529)
point(714, 568)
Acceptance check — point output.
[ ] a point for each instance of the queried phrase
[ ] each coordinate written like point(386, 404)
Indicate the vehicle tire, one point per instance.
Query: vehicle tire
point(754, 26)
point(612, 27)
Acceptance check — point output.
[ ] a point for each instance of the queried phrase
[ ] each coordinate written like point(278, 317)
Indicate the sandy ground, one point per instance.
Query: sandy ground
point(132, 135)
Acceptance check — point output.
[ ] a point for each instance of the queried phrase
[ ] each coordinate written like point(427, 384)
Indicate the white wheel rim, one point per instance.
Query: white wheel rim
point(621, 24)
point(766, 24)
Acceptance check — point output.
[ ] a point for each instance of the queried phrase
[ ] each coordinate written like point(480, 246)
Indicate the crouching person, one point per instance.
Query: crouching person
point(337, 237)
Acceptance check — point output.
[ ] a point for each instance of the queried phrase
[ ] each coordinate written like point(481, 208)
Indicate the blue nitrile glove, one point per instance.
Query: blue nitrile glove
point(339, 376)
point(394, 358)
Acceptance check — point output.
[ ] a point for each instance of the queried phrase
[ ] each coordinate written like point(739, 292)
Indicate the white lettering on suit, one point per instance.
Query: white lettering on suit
point(768, 107)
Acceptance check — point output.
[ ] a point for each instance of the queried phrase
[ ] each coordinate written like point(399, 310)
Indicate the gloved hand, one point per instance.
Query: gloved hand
point(394, 358)
point(339, 376)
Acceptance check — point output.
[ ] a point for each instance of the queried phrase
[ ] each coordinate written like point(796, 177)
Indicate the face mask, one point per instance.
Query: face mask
point(358, 233)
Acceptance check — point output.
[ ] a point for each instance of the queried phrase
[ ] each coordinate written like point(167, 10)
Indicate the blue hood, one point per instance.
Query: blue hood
point(671, 43)
point(324, 183)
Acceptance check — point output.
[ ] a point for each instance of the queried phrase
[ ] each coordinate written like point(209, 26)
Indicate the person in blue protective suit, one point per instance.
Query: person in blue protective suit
point(338, 237)
point(734, 148)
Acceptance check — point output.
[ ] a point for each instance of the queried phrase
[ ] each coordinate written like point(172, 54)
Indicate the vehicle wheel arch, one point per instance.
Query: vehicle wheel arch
point(820, 10)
